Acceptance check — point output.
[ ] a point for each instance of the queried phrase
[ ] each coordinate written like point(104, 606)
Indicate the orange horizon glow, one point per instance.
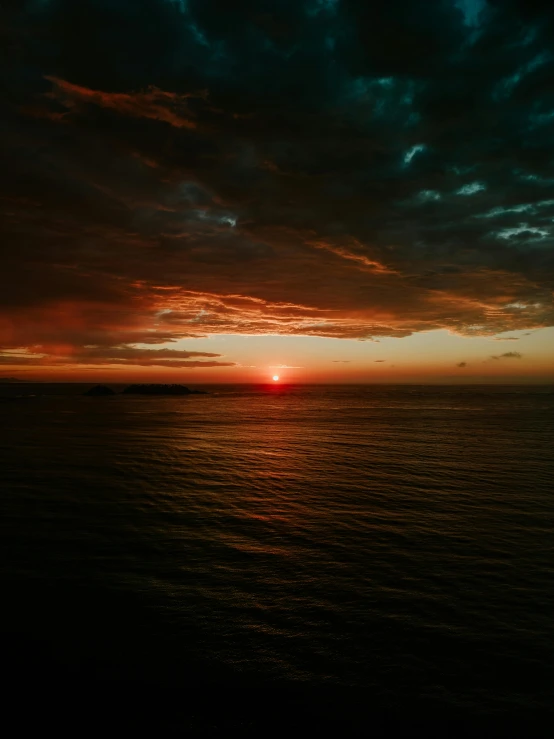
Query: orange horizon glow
point(435, 357)
point(407, 374)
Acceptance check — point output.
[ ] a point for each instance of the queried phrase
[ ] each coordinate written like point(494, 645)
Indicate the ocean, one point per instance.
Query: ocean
point(344, 554)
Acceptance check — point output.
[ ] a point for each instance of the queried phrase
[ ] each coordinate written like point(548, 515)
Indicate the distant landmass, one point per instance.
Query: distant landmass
point(99, 391)
point(11, 379)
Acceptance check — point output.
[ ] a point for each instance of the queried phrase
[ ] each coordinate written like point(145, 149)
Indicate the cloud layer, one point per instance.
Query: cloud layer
point(320, 167)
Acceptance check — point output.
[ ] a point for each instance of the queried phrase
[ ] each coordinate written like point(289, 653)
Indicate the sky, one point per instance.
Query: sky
point(328, 190)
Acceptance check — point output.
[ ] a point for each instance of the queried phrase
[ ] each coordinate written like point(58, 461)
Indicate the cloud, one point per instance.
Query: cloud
point(508, 355)
point(379, 360)
point(349, 170)
point(155, 104)
point(50, 355)
point(471, 189)
point(461, 364)
point(341, 361)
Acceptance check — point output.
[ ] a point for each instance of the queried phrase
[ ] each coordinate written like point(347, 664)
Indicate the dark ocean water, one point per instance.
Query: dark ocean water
point(371, 548)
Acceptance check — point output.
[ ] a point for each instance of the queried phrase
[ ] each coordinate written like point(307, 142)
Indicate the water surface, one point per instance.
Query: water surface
point(393, 540)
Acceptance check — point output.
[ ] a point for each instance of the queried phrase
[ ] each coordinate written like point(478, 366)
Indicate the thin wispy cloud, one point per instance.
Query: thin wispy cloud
point(507, 355)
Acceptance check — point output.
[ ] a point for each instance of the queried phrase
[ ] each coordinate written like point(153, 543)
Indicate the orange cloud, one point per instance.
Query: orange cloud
point(344, 253)
point(98, 356)
point(155, 104)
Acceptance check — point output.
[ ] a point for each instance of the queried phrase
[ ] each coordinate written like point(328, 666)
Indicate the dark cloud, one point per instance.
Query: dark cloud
point(380, 360)
point(343, 169)
point(341, 361)
point(461, 364)
point(53, 356)
point(508, 355)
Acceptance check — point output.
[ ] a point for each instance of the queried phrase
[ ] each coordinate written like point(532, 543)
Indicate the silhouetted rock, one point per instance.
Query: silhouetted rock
point(154, 389)
point(99, 390)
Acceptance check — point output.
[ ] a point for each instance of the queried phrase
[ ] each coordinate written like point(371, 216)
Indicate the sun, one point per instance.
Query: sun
point(275, 378)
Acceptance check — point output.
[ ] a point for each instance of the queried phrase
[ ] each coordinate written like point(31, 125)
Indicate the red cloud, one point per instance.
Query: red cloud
point(156, 104)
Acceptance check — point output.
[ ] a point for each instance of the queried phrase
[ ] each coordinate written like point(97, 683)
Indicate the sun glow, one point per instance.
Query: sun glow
point(275, 378)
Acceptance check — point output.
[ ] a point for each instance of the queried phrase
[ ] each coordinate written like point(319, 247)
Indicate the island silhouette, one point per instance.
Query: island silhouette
point(99, 391)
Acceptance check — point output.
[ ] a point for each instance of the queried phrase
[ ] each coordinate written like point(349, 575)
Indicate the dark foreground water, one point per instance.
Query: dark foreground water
point(333, 554)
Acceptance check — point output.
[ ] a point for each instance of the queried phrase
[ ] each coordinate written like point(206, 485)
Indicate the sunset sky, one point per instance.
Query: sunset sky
point(329, 190)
